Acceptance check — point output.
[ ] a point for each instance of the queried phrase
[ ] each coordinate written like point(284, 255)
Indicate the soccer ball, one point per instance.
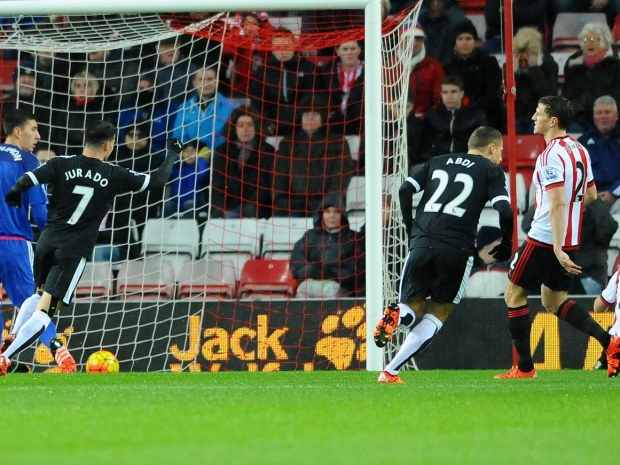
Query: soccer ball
point(102, 361)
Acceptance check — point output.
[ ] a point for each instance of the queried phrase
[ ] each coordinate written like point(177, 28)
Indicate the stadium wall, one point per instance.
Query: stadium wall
point(303, 335)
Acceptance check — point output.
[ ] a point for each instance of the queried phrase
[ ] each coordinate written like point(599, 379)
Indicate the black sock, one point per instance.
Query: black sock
point(578, 317)
point(520, 327)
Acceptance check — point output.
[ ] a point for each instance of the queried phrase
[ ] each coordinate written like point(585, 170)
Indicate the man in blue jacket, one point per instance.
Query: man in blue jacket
point(603, 144)
point(195, 118)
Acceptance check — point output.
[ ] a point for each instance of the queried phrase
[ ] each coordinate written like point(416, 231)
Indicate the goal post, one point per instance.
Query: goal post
point(387, 51)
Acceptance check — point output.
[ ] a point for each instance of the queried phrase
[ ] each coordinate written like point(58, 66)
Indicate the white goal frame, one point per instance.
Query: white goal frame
point(373, 110)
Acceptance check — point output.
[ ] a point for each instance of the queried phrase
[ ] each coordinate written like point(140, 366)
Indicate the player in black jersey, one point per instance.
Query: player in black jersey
point(442, 239)
point(84, 189)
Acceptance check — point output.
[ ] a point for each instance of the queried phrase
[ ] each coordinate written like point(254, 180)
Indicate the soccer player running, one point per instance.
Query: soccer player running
point(16, 158)
point(84, 188)
point(564, 184)
point(442, 240)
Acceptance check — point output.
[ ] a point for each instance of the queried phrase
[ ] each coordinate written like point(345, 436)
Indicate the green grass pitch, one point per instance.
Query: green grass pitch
point(437, 417)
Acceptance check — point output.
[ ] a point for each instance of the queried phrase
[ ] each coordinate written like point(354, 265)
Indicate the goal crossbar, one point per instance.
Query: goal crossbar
point(47, 7)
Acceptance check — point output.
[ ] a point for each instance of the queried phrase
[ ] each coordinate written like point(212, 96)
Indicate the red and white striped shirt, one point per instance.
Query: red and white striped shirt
point(565, 163)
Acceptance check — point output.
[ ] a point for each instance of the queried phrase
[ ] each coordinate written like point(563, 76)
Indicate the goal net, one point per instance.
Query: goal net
point(269, 107)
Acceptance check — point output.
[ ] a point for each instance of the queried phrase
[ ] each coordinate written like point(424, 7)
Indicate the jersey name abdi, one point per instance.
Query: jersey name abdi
point(461, 161)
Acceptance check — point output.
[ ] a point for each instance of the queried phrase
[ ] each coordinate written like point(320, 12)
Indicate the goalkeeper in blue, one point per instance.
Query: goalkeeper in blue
point(16, 255)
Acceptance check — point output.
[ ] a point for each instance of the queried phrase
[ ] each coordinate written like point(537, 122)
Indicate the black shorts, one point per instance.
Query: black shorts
point(437, 273)
point(57, 271)
point(534, 265)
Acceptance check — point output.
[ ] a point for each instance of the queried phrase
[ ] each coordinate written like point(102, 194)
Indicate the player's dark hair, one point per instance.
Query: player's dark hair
point(16, 118)
point(559, 107)
point(482, 137)
point(98, 133)
point(454, 80)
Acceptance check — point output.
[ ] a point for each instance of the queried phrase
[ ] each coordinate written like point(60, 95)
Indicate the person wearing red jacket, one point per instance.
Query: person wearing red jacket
point(426, 75)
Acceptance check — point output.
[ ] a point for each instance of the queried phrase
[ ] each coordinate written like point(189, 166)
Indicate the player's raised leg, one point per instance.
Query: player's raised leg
point(395, 314)
point(417, 340)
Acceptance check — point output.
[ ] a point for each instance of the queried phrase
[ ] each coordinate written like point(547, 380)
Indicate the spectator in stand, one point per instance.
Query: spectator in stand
point(480, 72)
point(280, 84)
point(310, 164)
point(118, 74)
point(438, 27)
point(135, 153)
point(202, 116)
point(531, 13)
point(597, 230)
point(190, 180)
point(172, 72)
point(611, 8)
point(343, 80)
point(253, 29)
point(27, 96)
point(52, 72)
point(141, 106)
point(323, 260)
point(448, 128)
point(590, 73)
point(536, 75)
point(242, 168)
point(489, 277)
point(603, 144)
point(426, 75)
point(84, 105)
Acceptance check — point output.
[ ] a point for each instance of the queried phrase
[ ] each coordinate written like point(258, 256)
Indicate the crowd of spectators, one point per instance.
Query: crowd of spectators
point(265, 127)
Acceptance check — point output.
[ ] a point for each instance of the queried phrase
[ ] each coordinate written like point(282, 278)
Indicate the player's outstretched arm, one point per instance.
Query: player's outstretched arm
point(503, 250)
point(405, 194)
point(14, 196)
point(161, 175)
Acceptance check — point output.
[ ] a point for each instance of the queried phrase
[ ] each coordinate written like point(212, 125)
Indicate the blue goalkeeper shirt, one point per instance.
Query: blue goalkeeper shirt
point(15, 222)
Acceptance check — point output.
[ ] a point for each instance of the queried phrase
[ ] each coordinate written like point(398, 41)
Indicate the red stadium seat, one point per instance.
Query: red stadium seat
point(528, 149)
point(266, 278)
point(615, 32)
point(471, 7)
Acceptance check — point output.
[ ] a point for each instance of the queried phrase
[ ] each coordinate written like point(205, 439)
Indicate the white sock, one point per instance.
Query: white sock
point(417, 339)
point(29, 333)
point(25, 312)
point(404, 311)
